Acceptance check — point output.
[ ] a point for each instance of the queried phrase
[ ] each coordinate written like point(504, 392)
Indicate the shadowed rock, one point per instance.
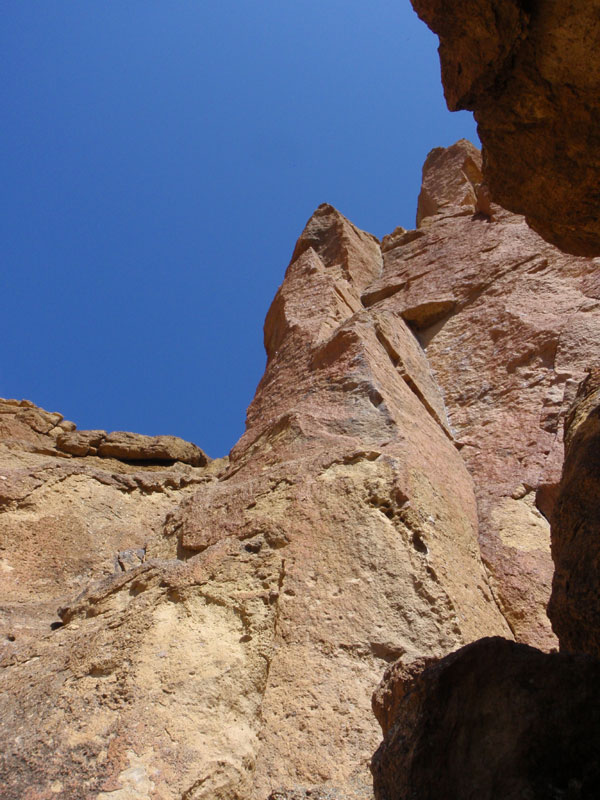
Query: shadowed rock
point(495, 720)
point(530, 73)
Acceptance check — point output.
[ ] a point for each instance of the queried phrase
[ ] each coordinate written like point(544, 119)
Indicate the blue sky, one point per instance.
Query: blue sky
point(159, 160)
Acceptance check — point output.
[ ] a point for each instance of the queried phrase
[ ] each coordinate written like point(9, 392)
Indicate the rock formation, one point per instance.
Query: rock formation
point(65, 521)
point(496, 720)
point(508, 324)
point(530, 73)
point(223, 624)
point(500, 720)
point(575, 603)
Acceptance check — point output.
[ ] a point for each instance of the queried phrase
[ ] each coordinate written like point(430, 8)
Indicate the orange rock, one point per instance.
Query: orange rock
point(222, 627)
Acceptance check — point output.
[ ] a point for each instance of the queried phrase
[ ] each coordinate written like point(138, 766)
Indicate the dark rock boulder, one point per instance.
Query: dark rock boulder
point(495, 720)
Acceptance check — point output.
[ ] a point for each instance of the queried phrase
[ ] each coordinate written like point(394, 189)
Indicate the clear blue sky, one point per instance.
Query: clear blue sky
point(159, 159)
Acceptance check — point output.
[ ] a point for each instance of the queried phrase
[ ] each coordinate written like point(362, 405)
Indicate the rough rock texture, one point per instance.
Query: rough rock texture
point(64, 521)
point(237, 659)
point(494, 721)
point(131, 447)
point(452, 181)
point(575, 603)
point(530, 73)
point(222, 627)
point(508, 324)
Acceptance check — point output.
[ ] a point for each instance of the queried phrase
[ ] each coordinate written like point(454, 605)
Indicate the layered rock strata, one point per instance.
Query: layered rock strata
point(530, 73)
point(509, 325)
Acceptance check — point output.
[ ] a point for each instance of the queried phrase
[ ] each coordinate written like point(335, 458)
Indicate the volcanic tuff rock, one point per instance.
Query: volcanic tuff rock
point(496, 720)
point(131, 447)
point(238, 658)
point(226, 629)
point(508, 324)
point(575, 603)
point(531, 74)
point(65, 521)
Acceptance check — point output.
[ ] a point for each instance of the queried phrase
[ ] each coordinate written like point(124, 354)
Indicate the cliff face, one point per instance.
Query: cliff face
point(498, 718)
point(575, 603)
point(530, 73)
point(508, 324)
point(223, 624)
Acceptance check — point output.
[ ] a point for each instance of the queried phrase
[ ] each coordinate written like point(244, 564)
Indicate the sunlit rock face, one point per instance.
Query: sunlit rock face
point(508, 324)
point(530, 74)
point(223, 624)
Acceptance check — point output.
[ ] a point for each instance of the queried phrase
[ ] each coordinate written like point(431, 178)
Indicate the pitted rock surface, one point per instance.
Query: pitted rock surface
point(216, 631)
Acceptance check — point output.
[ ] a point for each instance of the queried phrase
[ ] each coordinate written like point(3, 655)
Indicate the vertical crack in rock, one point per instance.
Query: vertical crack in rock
point(520, 331)
point(344, 530)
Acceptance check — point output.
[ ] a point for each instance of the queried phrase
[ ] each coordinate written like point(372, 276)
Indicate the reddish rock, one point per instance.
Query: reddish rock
point(65, 522)
point(347, 469)
point(496, 720)
point(530, 74)
point(508, 324)
point(224, 625)
point(342, 534)
point(452, 179)
point(575, 603)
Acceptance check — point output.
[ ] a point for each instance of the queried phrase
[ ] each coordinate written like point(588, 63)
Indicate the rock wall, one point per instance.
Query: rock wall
point(575, 603)
point(530, 74)
point(499, 720)
point(65, 521)
point(223, 624)
point(509, 325)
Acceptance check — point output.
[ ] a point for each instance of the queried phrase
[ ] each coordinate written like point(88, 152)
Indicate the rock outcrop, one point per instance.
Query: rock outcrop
point(222, 625)
point(575, 603)
point(509, 325)
point(496, 720)
point(530, 74)
point(237, 658)
point(65, 521)
point(347, 475)
point(131, 447)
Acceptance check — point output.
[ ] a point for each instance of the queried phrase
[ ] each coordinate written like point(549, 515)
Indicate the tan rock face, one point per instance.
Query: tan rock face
point(131, 447)
point(496, 719)
point(237, 659)
point(64, 522)
point(574, 606)
point(222, 627)
point(529, 73)
point(347, 475)
point(508, 324)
